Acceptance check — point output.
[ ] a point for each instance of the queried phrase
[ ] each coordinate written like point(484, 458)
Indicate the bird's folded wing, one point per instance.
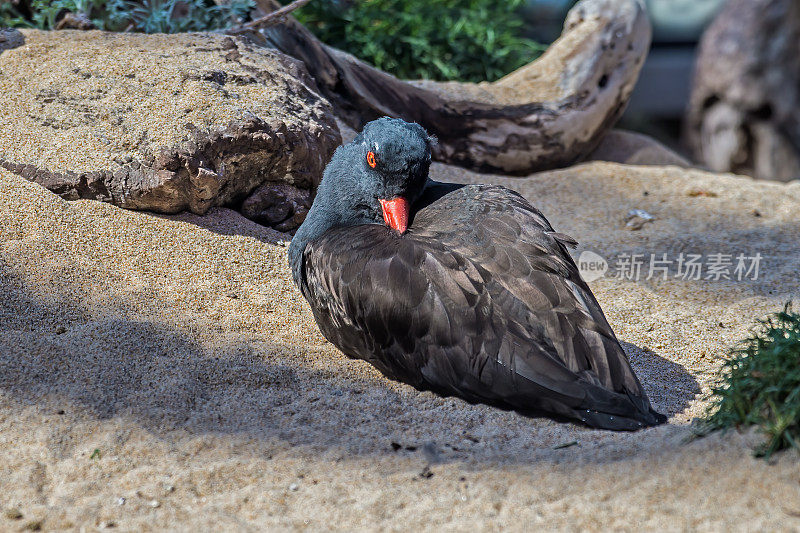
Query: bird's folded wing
point(534, 279)
point(481, 299)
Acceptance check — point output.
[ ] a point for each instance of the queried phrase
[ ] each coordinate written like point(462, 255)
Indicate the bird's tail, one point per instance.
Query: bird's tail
point(612, 422)
point(618, 411)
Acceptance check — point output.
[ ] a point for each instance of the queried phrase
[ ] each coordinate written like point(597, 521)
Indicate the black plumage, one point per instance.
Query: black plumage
point(478, 299)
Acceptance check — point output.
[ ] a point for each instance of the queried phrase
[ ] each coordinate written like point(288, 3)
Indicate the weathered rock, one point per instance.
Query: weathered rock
point(744, 114)
point(161, 123)
point(278, 205)
point(10, 38)
point(547, 114)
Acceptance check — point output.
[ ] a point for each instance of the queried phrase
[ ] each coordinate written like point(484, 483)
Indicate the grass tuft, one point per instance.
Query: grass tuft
point(759, 385)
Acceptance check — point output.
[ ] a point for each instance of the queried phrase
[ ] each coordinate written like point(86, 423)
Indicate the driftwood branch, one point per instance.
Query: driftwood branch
point(547, 114)
point(270, 18)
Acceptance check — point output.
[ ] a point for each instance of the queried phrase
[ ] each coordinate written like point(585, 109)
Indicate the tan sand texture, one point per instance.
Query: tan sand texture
point(162, 372)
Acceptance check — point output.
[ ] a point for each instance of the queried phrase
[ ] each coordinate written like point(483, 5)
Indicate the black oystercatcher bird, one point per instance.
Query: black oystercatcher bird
point(461, 290)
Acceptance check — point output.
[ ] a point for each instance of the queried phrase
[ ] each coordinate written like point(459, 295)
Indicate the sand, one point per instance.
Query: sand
point(164, 373)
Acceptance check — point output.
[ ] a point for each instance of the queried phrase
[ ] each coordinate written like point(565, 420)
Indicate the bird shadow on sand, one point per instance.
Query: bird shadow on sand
point(670, 387)
point(169, 384)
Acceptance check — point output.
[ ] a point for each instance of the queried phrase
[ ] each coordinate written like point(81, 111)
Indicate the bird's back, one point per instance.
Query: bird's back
point(480, 299)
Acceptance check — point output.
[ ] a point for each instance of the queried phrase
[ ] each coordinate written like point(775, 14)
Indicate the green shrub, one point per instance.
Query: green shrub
point(173, 16)
point(11, 17)
point(45, 14)
point(759, 384)
point(469, 40)
point(149, 16)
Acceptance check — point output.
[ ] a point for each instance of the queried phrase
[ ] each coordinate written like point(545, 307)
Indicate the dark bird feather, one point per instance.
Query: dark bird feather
point(479, 299)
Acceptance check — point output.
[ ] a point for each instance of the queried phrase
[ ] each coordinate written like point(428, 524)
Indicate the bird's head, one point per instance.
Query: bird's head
point(374, 179)
point(381, 173)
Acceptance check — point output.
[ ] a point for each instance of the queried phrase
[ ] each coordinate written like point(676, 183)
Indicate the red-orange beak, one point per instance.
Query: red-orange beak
point(395, 213)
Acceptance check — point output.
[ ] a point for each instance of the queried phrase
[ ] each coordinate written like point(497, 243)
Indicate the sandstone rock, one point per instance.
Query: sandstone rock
point(159, 122)
point(744, 113)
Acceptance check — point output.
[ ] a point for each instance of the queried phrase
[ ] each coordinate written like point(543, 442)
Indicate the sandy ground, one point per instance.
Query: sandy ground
point(164, 373)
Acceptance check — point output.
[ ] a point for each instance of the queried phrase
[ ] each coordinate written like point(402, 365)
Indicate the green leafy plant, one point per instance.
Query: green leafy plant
point(11, 17)
point(469, 40)
point(174, 16)
point(759, 385)
point(149, 16)
point(45, 13)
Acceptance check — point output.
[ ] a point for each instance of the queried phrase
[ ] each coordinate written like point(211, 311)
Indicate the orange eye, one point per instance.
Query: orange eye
point(371, 159)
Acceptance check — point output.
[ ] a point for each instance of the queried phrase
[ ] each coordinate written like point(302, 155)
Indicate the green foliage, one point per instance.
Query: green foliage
point(469, 40)
point(174, 16)
point(760, 384)
point(46, 13)
point(10, 17)
point(149, 16)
